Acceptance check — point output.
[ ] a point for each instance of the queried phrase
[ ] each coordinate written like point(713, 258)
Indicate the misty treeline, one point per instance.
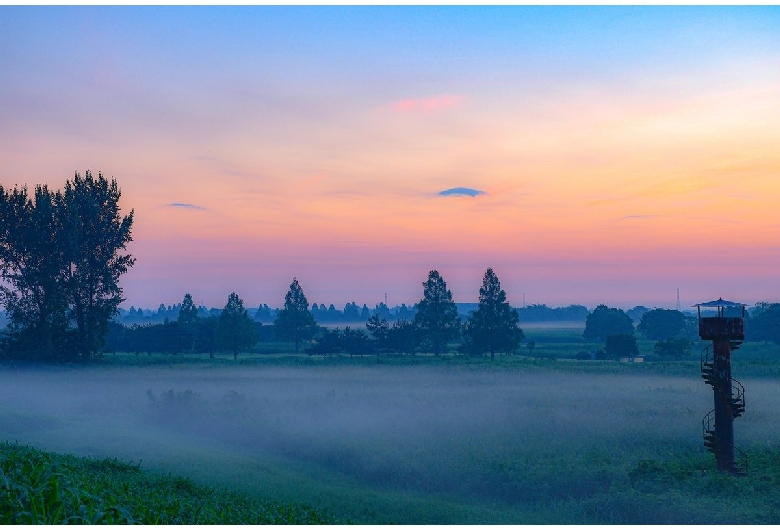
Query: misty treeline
point(435, 327)
point(60, 261)
point(352, 313)
point(492, 327)
point(673, 331)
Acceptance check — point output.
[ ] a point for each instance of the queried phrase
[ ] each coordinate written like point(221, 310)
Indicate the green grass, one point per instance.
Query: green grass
point(37, 487)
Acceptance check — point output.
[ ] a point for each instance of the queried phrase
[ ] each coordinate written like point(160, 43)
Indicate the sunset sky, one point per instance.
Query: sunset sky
point(605, 155)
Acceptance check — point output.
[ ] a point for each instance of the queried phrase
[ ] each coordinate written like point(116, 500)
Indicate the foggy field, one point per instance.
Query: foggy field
point(403, 444)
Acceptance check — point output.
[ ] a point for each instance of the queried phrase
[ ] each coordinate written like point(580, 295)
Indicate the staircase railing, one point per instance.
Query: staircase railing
point(737, 395)
point(740, 464)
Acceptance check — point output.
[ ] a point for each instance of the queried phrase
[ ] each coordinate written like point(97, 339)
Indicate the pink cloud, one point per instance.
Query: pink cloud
point(429, 105)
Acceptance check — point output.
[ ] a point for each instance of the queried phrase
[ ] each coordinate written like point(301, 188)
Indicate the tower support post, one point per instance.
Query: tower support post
point(724, 416)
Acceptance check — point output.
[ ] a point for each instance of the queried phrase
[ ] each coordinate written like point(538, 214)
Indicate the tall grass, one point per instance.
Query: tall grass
point(37, 487)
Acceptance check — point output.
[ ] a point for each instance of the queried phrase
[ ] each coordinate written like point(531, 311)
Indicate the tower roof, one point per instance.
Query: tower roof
point(720, 302)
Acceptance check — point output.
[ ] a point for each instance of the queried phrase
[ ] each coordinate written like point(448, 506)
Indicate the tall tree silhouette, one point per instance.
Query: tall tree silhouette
point(437, 317)
point(95, 233)
point(493, 326)
point(188, 319)
point(295, 322)
point(235, 330)
point(32, 263)
point(61, 257)
point(188, 313)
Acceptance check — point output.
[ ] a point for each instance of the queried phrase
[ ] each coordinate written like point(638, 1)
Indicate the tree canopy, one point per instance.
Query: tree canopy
point(673, 347)
point(379, 330)
point(605, 321)
point(61, 258)
point(437, 317)
point(661, 324)
point(764, 323)
point(621, 345)
point(494, 325)
point(295, 322)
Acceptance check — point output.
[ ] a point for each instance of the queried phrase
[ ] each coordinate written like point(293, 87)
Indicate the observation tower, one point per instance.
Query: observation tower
point(726, 334)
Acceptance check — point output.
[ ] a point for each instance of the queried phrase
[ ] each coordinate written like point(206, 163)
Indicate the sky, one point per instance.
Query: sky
point(587, 154)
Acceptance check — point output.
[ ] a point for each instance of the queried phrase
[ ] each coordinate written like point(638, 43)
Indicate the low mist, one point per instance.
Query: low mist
point(476, 434)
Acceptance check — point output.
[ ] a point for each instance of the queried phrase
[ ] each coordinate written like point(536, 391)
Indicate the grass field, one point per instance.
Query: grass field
point(421, 439)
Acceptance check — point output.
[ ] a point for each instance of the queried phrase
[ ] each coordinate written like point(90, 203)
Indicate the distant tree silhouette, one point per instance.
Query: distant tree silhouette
point(379, 330)
point(295, 322)
point(437, 317)
point(764, 323)
point(356, 342)
point(187, 320)
point(620, 345)
point(263, 314)
point(673, 347)
point(494, 325)
point(605, 321)
point(235, 329)
point(328, 343)
point(351, 312)
point(661, 324)
point(637, 312)
point(206, 335)
point(382, 310)
point(188, 313)
point(402, 337)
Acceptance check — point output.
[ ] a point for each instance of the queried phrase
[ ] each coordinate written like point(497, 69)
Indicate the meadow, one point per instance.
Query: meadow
point(421, 440)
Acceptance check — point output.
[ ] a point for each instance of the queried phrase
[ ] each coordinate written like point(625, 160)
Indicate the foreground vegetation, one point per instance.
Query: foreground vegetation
point(37, 487)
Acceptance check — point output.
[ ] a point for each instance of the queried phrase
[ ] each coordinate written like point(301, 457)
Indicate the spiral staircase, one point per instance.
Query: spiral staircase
point(713, 444)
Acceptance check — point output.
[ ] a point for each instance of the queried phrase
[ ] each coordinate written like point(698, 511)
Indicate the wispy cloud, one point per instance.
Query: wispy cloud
point(646, 216)
point(438, 103)
point(461, 192)
point(185, 205)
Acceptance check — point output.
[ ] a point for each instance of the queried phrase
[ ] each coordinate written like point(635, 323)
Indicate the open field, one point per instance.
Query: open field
point(419, 439)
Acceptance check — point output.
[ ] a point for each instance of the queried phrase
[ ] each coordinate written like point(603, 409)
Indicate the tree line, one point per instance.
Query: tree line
point(492, 328)
point(673, 331)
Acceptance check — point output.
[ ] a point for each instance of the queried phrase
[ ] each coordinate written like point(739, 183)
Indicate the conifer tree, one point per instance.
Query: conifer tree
point(188, 320)
point(235, 329)
point(437, 319)
point(188, 313)
point(493, 326)
point(295, 322)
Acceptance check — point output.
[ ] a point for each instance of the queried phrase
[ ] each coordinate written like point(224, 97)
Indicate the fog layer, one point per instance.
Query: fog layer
point(457, 433)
